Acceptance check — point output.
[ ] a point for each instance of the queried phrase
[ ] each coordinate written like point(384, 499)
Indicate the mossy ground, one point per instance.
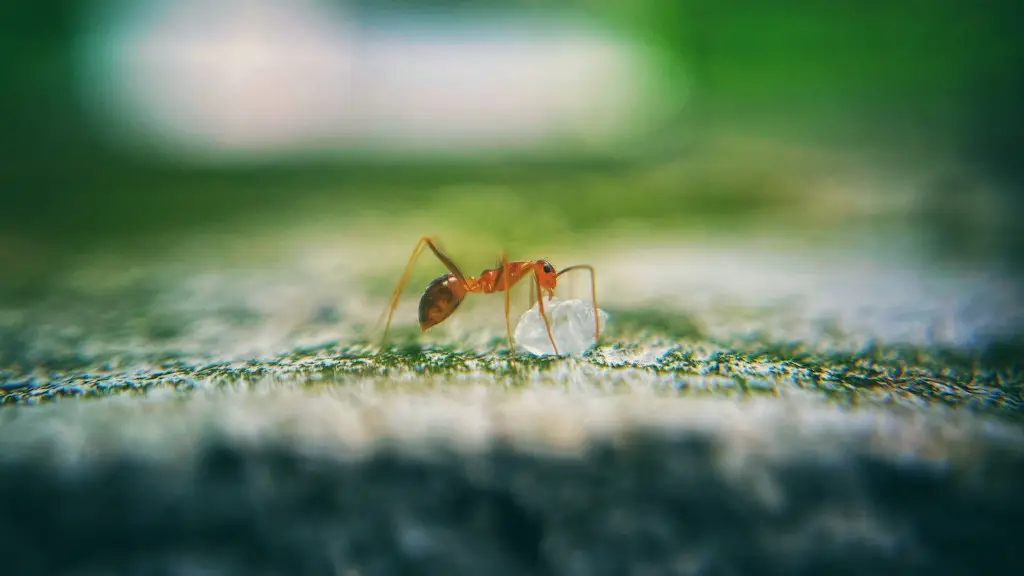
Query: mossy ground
point(246, 305)
point(751, 408)
point(664, 353)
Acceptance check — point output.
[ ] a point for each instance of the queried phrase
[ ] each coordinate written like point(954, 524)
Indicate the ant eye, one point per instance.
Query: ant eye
point(548, 269)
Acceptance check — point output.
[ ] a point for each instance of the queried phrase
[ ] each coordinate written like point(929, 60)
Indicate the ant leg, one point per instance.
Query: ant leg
point(508, 301)
point(593, 295)
point(398, 289)
point(424, 242)
point(431, 243)
point(533, 294)
point(540, 304)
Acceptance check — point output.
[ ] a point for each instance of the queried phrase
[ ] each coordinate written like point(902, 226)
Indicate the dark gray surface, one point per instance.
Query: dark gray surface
point(704, 488)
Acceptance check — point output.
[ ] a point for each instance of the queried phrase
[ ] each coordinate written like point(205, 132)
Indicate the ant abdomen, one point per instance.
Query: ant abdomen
point(440, 299)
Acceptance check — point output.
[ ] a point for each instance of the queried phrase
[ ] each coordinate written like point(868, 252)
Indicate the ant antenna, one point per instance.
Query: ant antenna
point(593, 295)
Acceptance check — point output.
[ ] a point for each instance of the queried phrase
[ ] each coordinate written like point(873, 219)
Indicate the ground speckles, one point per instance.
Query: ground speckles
point(884, 376)
point(175, 331)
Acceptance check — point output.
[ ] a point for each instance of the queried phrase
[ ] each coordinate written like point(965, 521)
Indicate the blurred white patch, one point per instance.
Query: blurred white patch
point(244, 79)
point(572, 325)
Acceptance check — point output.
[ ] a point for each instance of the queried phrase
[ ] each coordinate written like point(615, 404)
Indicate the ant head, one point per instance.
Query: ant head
point(546, 274)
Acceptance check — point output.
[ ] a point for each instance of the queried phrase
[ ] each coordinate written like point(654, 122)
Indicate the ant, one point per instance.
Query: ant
point(446, 292)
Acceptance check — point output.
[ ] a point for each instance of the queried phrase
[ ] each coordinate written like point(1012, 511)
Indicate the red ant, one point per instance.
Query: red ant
point(444, 294)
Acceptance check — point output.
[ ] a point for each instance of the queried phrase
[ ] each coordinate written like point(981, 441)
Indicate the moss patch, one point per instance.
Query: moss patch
point(882, 375)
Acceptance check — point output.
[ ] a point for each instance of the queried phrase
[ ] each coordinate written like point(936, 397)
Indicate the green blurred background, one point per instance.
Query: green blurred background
point(130, 125)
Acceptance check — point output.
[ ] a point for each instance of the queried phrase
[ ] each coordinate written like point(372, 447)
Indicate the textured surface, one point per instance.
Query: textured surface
point(718, 320)
point(535, 482)
point(746, 413)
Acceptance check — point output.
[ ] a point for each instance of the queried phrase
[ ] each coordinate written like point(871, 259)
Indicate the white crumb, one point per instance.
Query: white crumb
point(572, 325)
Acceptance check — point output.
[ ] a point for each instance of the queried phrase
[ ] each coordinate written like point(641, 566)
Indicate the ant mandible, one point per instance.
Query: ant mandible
point(444, 294)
